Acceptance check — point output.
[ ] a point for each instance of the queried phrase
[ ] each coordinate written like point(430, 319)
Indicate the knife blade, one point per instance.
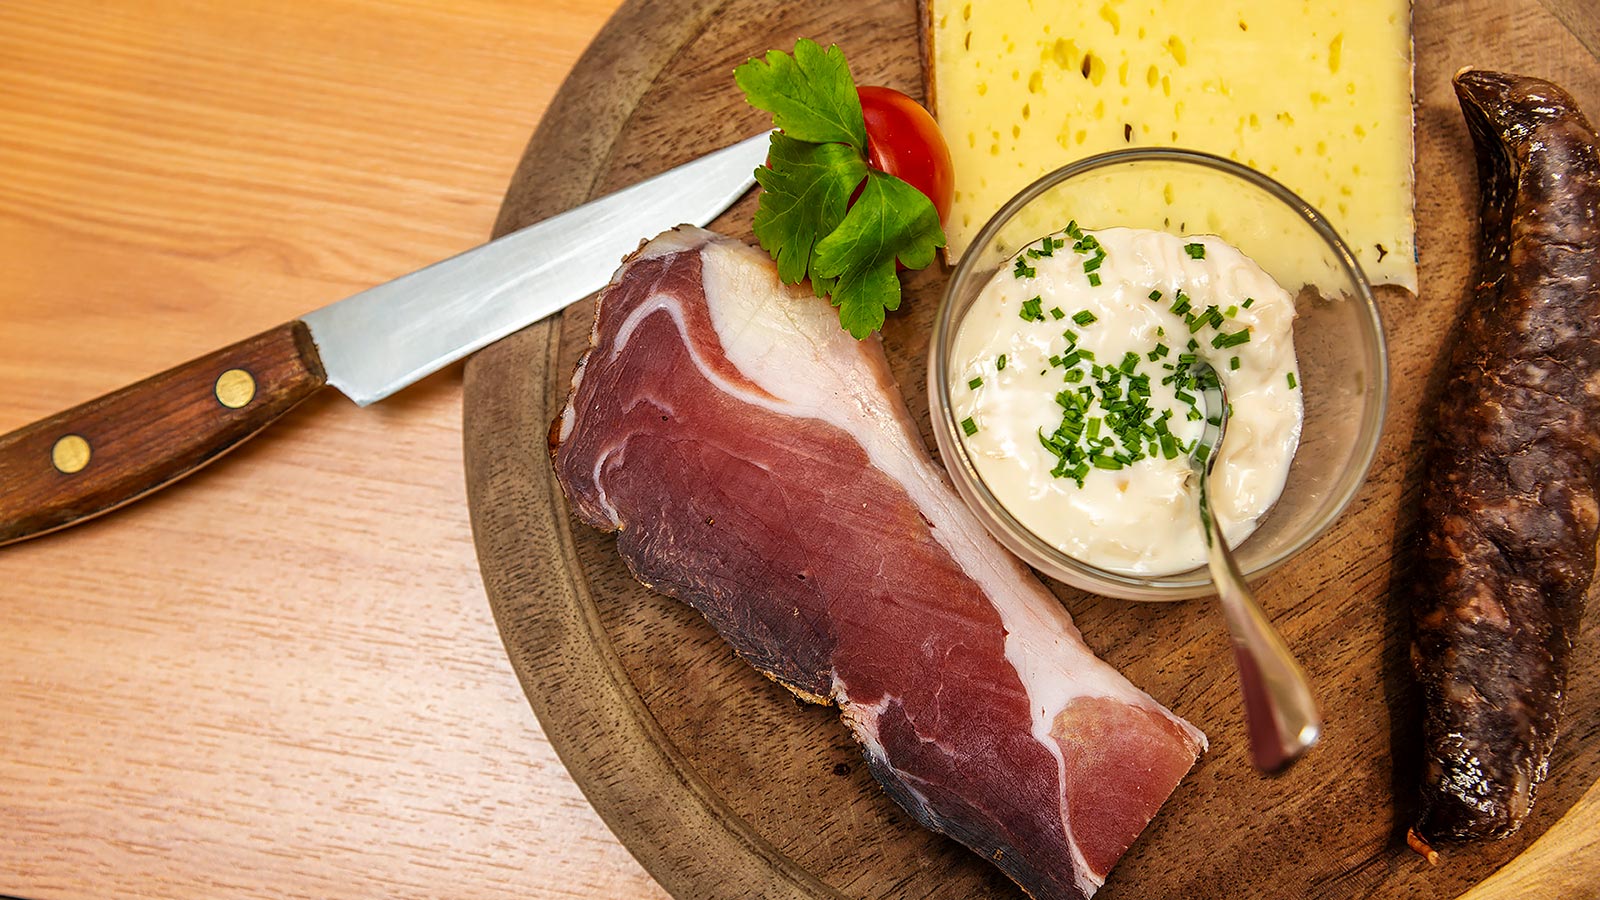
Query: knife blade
point(90, 459)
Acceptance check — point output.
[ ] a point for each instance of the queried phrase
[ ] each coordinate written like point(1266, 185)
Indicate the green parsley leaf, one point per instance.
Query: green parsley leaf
point(804, 194)
point(891, 221)
point(811, 95)
point(805, 219)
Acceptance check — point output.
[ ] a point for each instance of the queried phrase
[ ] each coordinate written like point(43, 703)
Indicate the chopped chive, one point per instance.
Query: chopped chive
point(1056, 313)
point(1094, 280)
point(1071, 359)
point(1231, 311)
point(1083, 317)
point(1074, 376)
point(975, 383)
point(1130, 361)
point(1031, 311)
point(1090, 265)
point(1070, 335)
point(1086, 354)
point(1105, 462)
point(1155, 295)
point(1000, 364)
point(1248, 301)
point(1233, 363)
point(969, 426)
point(1291, 381)
point(1223, 341)
point(1195, 251)
point(1169, 445)
point(1023, 270)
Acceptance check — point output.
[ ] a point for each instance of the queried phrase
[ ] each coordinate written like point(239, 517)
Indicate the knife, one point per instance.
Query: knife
point(97, 456)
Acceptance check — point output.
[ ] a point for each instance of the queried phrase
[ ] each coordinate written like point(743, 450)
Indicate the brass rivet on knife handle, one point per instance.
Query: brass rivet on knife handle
point(70, 454)
point(148, 435)
point(235, 388)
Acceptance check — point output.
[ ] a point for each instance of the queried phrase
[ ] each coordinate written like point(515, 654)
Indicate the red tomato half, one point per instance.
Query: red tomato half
point(903, 140)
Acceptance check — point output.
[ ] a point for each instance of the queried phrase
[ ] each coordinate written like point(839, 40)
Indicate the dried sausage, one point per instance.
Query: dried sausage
point(1509, 510)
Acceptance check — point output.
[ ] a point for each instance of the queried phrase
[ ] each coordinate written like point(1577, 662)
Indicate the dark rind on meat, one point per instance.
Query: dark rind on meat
point(1509, 509)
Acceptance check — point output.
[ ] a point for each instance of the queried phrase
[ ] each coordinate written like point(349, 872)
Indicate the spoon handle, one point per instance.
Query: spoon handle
point(1280, 713)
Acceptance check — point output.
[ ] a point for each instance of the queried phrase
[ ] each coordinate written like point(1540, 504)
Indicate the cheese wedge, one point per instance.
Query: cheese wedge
point(1318, 95)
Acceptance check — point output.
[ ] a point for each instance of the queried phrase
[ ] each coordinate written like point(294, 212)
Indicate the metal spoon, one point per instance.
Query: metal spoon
point(1279, 711)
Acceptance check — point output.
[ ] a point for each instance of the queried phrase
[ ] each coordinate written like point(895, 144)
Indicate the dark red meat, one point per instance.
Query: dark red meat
point(758, 464)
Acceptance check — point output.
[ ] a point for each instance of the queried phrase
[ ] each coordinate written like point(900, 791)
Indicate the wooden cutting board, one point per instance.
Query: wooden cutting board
point(725, 787)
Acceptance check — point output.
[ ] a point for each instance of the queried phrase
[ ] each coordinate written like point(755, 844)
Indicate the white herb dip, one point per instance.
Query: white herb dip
point(1114, 488)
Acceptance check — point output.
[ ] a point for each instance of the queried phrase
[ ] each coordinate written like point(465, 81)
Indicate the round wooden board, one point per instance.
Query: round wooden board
point(725, 787)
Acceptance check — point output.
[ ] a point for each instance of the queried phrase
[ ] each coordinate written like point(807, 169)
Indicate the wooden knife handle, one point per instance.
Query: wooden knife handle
point(95, 457)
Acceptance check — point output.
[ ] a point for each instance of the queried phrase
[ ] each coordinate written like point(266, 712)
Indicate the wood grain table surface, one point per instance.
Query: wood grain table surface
point(280, 678)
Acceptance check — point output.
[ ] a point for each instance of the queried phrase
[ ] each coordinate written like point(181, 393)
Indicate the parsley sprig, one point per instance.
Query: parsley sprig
point(819, 158)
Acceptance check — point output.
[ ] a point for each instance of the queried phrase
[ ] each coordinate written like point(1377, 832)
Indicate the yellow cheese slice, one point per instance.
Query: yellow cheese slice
point(1315, 94)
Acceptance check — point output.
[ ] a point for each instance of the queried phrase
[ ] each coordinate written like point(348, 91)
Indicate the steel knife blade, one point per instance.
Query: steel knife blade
point(92, 458)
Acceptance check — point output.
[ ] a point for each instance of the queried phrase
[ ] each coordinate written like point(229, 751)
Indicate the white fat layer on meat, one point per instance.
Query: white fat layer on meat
point(770, 332)
point(569, 415)
point(862, 718)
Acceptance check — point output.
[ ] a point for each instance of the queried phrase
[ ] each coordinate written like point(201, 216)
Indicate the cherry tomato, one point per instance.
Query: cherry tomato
point(903, 140)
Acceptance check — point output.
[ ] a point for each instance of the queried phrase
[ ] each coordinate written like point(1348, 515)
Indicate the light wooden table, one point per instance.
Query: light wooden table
point(281, 677)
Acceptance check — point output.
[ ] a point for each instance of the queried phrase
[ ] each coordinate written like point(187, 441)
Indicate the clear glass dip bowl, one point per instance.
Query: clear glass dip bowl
point(1338, 339)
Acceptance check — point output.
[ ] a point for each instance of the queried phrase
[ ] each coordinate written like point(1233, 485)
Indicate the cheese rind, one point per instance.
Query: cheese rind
point(1316, 95)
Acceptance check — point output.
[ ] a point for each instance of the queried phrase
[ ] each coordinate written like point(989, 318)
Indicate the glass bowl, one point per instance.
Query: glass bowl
point(1338, 338)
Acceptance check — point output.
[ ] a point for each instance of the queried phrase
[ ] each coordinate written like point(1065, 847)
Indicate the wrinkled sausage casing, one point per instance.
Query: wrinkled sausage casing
point(1509, 510)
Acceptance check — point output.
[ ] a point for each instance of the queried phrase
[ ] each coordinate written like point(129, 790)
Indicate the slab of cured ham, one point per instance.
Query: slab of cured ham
point(759, 464)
